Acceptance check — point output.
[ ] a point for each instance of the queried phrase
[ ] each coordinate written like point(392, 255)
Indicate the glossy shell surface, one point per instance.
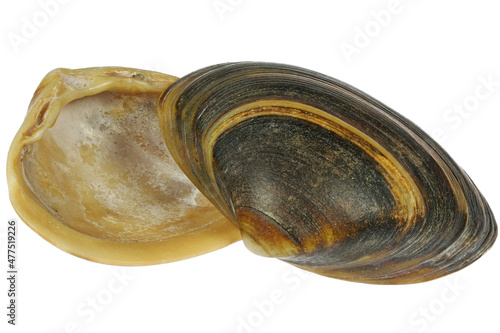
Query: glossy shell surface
point(323, 176)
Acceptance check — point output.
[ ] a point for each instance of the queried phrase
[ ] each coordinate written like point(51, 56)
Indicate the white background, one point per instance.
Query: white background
point(422, 61)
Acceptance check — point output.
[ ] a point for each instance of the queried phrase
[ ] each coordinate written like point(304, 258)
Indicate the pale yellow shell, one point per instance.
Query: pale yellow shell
point(89, 171)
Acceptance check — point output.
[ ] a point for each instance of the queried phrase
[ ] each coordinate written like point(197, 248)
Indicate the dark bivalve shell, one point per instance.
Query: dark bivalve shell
point(323, 176)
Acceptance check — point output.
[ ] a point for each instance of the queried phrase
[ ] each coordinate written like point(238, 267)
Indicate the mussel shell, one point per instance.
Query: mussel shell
point(89, 171)
point(323, 176)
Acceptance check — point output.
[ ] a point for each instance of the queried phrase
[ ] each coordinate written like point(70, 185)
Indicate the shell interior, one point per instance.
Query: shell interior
point(95, 170)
